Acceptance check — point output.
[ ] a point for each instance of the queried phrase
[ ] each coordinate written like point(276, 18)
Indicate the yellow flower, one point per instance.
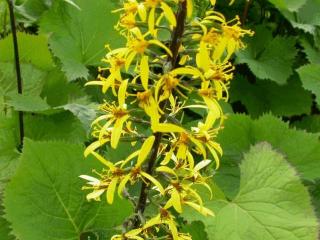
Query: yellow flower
point(116, 64)
point(167, 11)
point(98, 187)
point(116, 115)
point(183, 194)
point(133, 7)
point(206, 134)
point(164, 217)
point(137, 45)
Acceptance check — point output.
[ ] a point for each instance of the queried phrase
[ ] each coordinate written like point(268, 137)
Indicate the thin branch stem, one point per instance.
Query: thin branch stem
point(17, 64)
point(246, 11)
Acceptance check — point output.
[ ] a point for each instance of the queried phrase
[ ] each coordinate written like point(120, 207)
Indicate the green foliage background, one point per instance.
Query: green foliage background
point(268, 186)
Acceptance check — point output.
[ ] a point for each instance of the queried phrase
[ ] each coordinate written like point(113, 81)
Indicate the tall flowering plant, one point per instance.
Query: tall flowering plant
point(156, 83)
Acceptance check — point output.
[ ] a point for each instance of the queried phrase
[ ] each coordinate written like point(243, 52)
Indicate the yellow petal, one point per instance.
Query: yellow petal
point(103, 160)
point(142, 12)
point(145, 150)
point(169, 14)
point(95, 194)
point(167, 128)
point(173, 229)
point(122, 185)
point(111, 189)
point(158, 43)
point(117, 130)
point(129, 59)
point(122, 93)
point(166, 169)
point(215, 156)
point(189, 8)
point(204, 211)
point(176, 201)
point(93, 146)
point(154, 181)
point(144, 71)
point(153, 221)
point(151, 20)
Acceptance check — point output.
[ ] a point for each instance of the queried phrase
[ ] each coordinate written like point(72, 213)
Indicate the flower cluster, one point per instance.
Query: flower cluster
point(174, 65)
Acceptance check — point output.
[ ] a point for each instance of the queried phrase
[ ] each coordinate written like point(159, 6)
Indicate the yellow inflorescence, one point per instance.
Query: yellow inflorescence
point(156, 87)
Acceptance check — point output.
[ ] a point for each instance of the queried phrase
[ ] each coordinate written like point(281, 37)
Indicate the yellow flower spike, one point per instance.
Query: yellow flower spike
point(145, 150)
point(144, 71)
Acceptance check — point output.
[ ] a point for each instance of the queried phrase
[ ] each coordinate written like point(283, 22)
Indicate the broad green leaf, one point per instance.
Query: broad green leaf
point(313, 54)
point(267, 96)
point(269, 59)
point(78, 36)
point(272, 203)
point(196, 230)
point(33, 79)
point(32, 49)
point(8, 149)
point(310, 77)
point(31, 10)
point(4, 17)
point(4, 226)
point(309, 123)
point(60, 126)
point(301, 149)
point(27, 103)
point(291, 5)
point(47, 183)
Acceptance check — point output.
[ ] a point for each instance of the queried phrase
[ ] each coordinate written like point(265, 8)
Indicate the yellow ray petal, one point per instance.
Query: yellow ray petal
point(122, 184)
point(145, 150)
point(204, 211)
point(158, 43)
point(122, 93)
point(151, 21)
point(144, 71)
point(111, 189)
point(117, 130)
point(154, 181)
point(103, 160)
point(169, 14)
point(167, 128)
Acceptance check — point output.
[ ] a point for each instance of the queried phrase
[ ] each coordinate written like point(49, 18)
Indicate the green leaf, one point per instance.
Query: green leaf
point(264, 58)
point(291, 5)
point(27, 103)
point(272, 203)
point(78, 36)
point(47, 183)
point(8, 150)
point(301, 149)
point(309, 123)
point(196, 230)
point(33, 79)
point(31, 10)
point(267, 96)
point(313, 54)
point(4, 226)
point(40, 58)
point(310, 77)
point(60, 126)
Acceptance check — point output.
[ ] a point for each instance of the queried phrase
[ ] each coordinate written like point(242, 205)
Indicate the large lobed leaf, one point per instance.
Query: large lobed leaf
point(46, 193)
point(78, 36)
point(272, 203)
point(310, 77)
point(267, 57)
point(301, 149)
